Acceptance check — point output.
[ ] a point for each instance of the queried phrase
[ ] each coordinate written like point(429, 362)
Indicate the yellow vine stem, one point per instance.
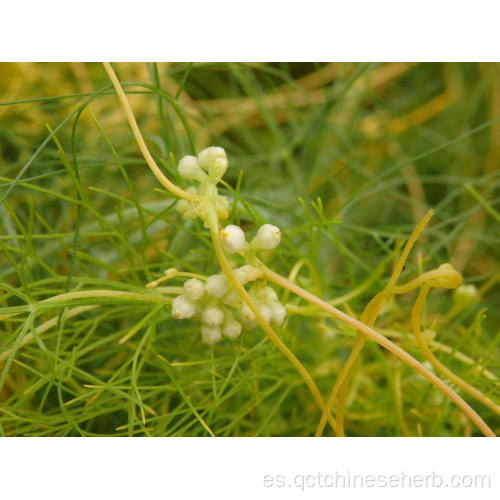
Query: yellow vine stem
point(445, 276)
point(368, 317)
point(384, 342)
point(213, 223)
point(469, 389)
point(166, 183)
point(292, 275)
point(444, 273)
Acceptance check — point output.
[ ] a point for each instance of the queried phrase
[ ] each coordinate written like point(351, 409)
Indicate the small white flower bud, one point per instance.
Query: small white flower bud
point(189, 168)
point(267, 238)
point(233, 239)
point(218, 169)
point(194, 289)
point(247, 273)
point(266, 295)
point(271, 295)
point(210, 335)
point(232, 299)
point(217, 285)
point(231, 328)
point(214, 161)
point(212, 316)
point(182, 307)
point(278, 313)
point(246, 313)
point(241, 275)
point(266, 312)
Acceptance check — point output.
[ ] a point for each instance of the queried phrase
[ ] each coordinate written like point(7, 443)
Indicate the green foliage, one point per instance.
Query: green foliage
point(344, 158)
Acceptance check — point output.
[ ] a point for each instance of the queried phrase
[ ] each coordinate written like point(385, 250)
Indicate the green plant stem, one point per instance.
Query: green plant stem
point(82, 294)
point(46, 326)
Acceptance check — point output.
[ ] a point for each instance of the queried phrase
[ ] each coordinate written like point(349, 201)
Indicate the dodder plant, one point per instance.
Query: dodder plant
point(206, 203)
point(243, 295)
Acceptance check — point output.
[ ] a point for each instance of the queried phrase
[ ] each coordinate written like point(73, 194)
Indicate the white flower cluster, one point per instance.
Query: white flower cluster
point(233, 238)
point(214, 302)
point(207, 169)
point(217, 305)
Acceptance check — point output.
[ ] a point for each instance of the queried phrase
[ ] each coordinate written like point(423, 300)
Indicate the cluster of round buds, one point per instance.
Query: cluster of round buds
point(219, 308)
point(210, 164)
point(207, 169)
point(233, 238)
point(268, 304)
